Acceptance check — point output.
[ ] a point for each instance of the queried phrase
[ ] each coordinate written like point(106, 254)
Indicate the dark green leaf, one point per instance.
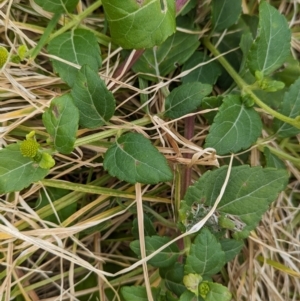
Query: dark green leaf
point(185, 99)
point(272, 160)
point(165, 258)
point(148, 227)
point(95, 103)
point(210, 103)
point(206, 256)
point(138, 293)
point(17, 172)
point(134, 159)
point(61, 122)
point(290, 107)
point(57, 6)
point(140, 24)
point(173, 278)
point(162, 60)
point(236, 127)
point(272, 46)
point(78, 46)
point(231, 247)
point(225, 13)
point(206, 74)
point(247, 197)
point(189, 296)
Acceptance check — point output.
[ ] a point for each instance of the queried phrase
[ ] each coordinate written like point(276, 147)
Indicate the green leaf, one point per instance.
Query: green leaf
point(206, 74)
point(173, 276)
point(206, 256)
point(55, 194)
point(272, 46)
point(236, 127)
point(185, 99)
point(272, 160)
point(57, 6)
point(231, 247)
point(248, 194)
point(217, 292)
point(210, 103)
point(140, 24)
point(225, 13)
point(78, 46)
point(191, 282)
point(95, 103)
point(289, 107)
point(17, 172)
point(61, 122)
point(138, 293)
point(148, 227)
point(165, 258)
point(133, 158)
point(162, 60)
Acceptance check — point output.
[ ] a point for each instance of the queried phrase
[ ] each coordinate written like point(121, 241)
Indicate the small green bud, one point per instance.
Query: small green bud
point(191, 282)
point(248, 100)
point(204, 289)
point(22, 52)
point(29, 148)
point(46, 161)
point(3, 56)
point(225, 222)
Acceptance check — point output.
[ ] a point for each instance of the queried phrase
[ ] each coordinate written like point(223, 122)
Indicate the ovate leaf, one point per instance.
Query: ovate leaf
point(162, 60)
point(61, 121)
point(272, 45)
point(18, 172)
point(165, 258)
point(217, 292)
point(185, 99)
point(290, 107)
point(138, 293)
point(272, 160)
point(206, 74)
point(78, 46)
point(206, 256)
point(247, 197)
point(133, 158)
point(225, 13)
point(95, 103)
point(231, 247)
point(140, 24)
point(57, 6)
point(235, 127)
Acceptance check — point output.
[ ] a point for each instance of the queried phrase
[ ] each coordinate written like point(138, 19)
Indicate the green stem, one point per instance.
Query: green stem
point(43, 40)
point(245, 87)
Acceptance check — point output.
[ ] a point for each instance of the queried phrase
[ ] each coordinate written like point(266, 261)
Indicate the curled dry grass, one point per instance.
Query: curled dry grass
point(41, 260)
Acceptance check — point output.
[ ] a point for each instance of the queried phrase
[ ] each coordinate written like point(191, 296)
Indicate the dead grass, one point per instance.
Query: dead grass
point(41, 260)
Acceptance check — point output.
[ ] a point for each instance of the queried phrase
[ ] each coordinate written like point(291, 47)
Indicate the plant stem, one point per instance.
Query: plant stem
point(245, 88)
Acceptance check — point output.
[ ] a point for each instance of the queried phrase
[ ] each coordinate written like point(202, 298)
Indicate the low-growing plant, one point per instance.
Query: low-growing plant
point(205, 94)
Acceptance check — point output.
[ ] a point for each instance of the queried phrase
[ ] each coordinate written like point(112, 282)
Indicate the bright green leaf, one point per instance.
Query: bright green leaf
point(95, 103)
point(236, 127)
point(16, 171)
point(165, 258)
point(225, 13)
point(61, 122)
point(272, 160)
point(289, 107)
point(162, 60)
point(78, 46)
point(138, 293)
point(231, 247)
point(57, 6)
point(191, 282)
point(272, 46)
point(140, 24)
point(134, 159)
point(217, 292)
point(206, 256)
point(185, 99)
point(248, 194)
point(206, 74)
